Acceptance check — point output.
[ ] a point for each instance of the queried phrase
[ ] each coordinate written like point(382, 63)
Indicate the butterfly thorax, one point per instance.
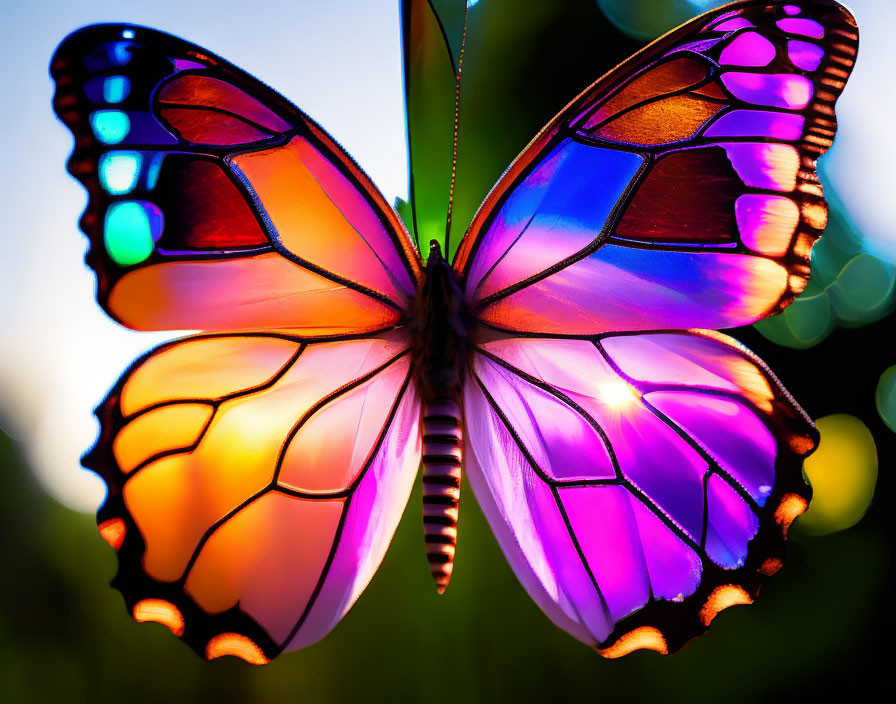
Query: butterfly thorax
point(439, 326)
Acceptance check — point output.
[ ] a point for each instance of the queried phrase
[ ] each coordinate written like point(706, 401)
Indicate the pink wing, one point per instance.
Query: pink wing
point(255, 482)
point(636, 483)
point(639, 481)
point(679, 190)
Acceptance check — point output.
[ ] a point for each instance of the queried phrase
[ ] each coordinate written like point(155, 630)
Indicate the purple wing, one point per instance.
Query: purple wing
point(637, 483)
point(678, 191)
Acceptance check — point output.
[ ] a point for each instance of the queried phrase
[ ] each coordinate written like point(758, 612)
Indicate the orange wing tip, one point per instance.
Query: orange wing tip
point(160, 611)
point(802, 246)
point(797, 282)
point(770, 566)
point(112, 531)
point(815, 215)
point(802, 445)
point(791, 506)
point(237, 645)
point(721, 598)
point(642, 638)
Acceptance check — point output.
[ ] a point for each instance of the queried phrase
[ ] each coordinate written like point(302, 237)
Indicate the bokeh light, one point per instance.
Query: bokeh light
point(843, 474)
point(848, 287)
point(805, 323)
point(863, 291)
point(648, 19)
point(885, 397)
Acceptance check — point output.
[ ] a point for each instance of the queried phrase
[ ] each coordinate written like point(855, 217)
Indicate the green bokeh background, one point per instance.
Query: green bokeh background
point(816, 631)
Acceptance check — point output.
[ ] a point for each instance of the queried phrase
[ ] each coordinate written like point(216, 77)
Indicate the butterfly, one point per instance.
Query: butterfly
point(639, 469)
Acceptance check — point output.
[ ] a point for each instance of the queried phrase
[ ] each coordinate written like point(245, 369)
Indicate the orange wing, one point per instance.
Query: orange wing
point(255, 482)
point(214, 203)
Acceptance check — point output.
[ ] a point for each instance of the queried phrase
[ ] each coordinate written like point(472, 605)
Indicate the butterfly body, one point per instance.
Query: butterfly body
point(639, 469)
point(440, 355)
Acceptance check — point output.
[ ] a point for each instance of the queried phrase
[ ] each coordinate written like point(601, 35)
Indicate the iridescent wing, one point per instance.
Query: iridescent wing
point(679, 190)
point(214, 203)
point(638, 484)
point(641, 474)
point(255, 481)
point(255, 478)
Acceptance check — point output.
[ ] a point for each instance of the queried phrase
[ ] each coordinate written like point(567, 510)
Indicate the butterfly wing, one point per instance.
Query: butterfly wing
point(214, 204)
point(638, 484)
point(254, 483)
point(638, 480)
point(679, 190)
point(255, 478)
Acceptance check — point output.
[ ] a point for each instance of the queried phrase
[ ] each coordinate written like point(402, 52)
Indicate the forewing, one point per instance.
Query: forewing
point(254, 483)
point(214, 204)
point(637, 484)
point(679, 190)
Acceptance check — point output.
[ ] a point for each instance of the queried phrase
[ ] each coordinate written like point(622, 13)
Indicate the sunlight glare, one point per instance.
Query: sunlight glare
point(617, 393)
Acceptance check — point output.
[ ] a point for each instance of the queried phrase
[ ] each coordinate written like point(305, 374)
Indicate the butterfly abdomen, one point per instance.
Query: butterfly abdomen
point(442, 467)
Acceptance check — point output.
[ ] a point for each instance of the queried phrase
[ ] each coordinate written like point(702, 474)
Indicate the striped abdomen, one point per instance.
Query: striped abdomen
point(442, 462)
